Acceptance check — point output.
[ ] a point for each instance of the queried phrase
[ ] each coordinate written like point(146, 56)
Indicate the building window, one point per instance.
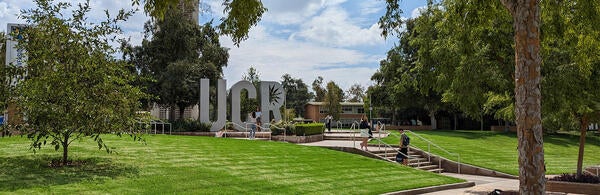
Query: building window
point(322, 110)
point(346, 109)
point(361, 110)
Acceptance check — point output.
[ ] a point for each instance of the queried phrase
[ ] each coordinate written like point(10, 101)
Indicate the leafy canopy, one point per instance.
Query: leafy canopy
point(73, 86)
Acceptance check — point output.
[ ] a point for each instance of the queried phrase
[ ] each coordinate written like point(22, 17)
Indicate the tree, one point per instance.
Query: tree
point(178, 55)
point(74, 88)
point(241, 15)
point(250, 105)
point(571, 67)
point(356, 93)
point(317, 86)
point(526, 16)
point(296, 93)
point(332, 100)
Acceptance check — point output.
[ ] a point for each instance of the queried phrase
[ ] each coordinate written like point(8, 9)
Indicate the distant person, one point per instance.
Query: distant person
point(258, 118)
point(402, 157)
point(252, 121)
point(328, 122)
point(364, 132)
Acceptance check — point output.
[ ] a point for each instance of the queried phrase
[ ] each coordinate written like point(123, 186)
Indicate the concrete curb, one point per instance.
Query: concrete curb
point(433, 188)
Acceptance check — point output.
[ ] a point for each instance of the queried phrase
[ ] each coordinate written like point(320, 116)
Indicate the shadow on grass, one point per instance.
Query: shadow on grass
point(468, 134)
point(24, 172)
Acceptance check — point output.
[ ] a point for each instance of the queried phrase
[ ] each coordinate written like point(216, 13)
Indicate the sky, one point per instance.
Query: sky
point(336, 39)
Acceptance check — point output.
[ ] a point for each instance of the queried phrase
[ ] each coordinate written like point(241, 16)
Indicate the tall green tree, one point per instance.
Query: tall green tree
point(317, 87)
point(571, 67)
point(178, 54)
point(296, 93)
point(250, 105)
point(74, 87)
point(356, 93)
point(332, 100)
point(240, 15)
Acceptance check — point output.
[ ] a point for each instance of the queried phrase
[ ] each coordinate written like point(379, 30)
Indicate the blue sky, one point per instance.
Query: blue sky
point(336, 39)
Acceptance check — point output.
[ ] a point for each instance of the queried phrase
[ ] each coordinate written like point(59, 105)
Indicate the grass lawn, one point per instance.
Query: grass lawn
point(498, 150)
point(202, 165)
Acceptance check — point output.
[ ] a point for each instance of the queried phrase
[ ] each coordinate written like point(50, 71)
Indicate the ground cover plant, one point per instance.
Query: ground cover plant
point(202, 165)
point(498, 150)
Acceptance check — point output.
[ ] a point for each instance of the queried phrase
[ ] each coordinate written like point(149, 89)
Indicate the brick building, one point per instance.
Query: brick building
point(351, 111)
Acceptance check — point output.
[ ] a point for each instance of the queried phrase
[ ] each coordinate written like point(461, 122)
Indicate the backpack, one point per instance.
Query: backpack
point(406, 140)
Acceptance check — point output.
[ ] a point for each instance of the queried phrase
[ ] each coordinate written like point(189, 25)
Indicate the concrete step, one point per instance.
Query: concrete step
point(420, 164)
point(436, 170)
point(427, 167)
point(411, 160)
point(341, 138)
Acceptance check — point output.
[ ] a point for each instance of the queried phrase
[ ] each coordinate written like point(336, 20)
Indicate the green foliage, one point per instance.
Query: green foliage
point(317, 87)
point(332, 101)
point(309, 129)
point(74, 88)
point(178, 55)
point(248, 105)
point(190, 125)
point(289, 128)
point(296, 94)
point(356, 93)
point(241, 15)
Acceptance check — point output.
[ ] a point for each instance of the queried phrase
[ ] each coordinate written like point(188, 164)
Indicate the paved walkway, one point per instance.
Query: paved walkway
point(483, 185)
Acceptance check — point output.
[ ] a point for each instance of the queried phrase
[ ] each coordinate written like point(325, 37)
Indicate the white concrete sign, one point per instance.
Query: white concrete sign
point(268, 104)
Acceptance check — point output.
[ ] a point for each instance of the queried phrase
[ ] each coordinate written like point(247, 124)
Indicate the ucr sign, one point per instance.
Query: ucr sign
point(268, 104)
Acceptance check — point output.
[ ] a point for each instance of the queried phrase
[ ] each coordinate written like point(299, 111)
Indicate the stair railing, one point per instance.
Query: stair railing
point(245, 128)
point(386, 145)
point(353, 128)
point(429, 144)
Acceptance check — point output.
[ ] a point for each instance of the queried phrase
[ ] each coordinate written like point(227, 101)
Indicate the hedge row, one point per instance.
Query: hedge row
point(309, 129)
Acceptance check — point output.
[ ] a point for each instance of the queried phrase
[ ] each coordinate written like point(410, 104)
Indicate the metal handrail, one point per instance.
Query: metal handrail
point(429, 143)
point(245, 127)
point(339, 125)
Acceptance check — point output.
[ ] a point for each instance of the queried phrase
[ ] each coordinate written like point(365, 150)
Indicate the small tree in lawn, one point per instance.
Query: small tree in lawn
point(73, 86)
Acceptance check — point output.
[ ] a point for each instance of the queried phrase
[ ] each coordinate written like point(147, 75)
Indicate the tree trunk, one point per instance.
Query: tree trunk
point(583, 129)
point(481, 122)
point(65, 146)
point(433, 120)
point(526, 16)
point(455, 121)
point(181, 112)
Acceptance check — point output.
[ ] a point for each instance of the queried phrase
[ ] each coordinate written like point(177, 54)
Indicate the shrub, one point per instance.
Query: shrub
point(289, 128)
point(309, 129)
point(585, 178)
point(190, 125)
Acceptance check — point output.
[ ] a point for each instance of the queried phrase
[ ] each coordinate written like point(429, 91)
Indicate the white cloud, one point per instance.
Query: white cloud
point(417, 11)
point(370, 7)
point(273, 57)
point(334, 27)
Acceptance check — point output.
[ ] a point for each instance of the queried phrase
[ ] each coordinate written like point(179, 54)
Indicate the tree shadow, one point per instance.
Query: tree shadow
point(22, 172)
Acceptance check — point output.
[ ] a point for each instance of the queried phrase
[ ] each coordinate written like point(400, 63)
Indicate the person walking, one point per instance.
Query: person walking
point(364, 132)
point(328, 121)
point(402, 157)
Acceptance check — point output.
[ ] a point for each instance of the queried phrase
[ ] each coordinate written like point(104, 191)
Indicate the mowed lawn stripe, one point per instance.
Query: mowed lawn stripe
point(498, 150)
point(203, 165)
